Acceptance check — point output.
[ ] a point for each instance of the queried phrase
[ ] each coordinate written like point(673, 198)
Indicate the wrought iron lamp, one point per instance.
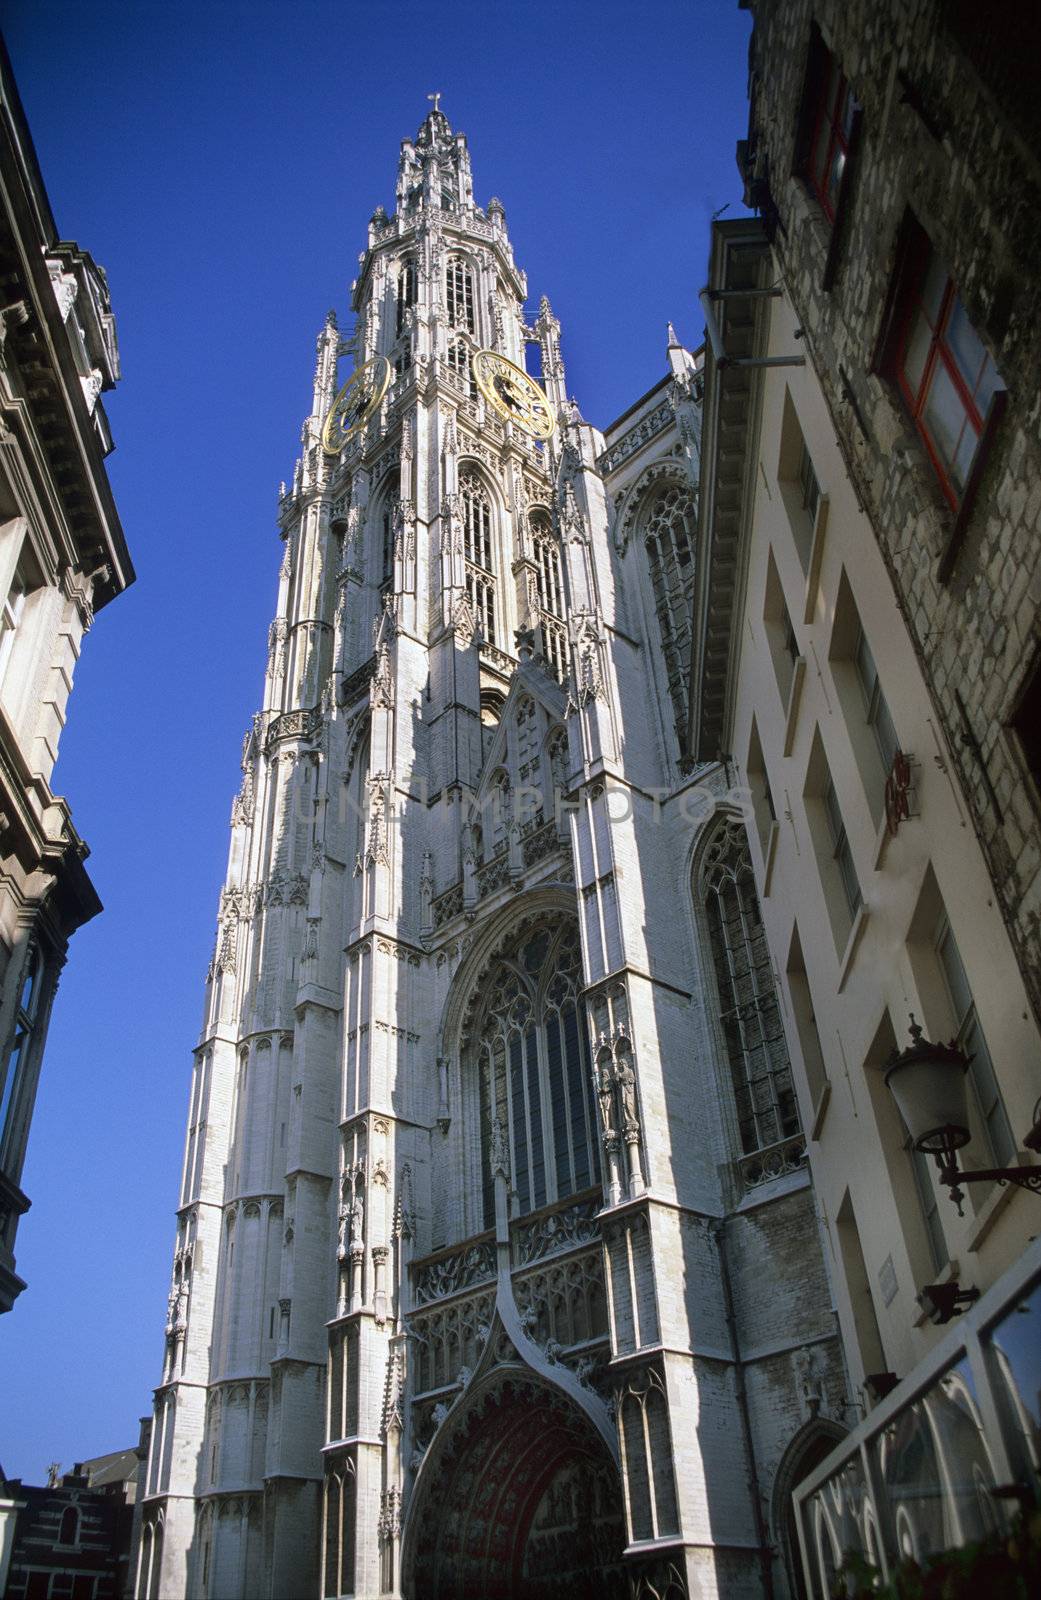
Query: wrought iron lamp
point(927, 1081)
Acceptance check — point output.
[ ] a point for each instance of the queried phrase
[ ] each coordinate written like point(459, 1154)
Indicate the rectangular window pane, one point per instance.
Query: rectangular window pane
point(581, 1127)
point(916, 353)
point(538, 1158)
point(944, 416)
point(558, 1106)
point(520, 1129)
point(964, 344)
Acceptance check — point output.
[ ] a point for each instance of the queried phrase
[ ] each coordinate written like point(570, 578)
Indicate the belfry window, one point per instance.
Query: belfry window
point(476, 511)
point(477, 521)
point(669, 537)
point(458, 359)
point(534, 1071)
point(388, 517)
point(751, 1018)
point(406, 292)
point(546, 552)
point(459, 294)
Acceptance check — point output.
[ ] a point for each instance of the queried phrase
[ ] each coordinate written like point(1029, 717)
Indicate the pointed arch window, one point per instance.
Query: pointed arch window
point(406, 292)
point(669, 538)
point(534, 1071)
point(387, 520)
point(749, 1012)
point(545, 549)
point(458, 358)
point(476, 511)
point(459, 294)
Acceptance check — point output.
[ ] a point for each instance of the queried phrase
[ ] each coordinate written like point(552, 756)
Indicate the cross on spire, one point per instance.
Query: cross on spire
point(436, 98)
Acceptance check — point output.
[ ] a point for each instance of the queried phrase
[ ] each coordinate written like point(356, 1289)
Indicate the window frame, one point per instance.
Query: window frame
point(753, 1004)
point(842, 850)
point(837, 114)
point(941, 359)
point(970, 1037)
point(914, 249)
point(822, 69)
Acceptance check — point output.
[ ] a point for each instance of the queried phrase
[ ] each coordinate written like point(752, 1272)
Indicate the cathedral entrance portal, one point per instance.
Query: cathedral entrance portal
point(521, 1502)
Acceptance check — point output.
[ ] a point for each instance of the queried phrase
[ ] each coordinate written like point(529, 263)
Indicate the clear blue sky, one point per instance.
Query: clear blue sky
point(221, 161)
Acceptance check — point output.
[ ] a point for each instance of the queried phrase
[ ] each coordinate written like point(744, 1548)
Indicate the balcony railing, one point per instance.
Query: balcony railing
point(949, 1454)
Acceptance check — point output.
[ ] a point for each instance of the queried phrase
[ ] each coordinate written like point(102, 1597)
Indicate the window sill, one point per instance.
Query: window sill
point(820, 530)
point(791, 714)
point(855, 935)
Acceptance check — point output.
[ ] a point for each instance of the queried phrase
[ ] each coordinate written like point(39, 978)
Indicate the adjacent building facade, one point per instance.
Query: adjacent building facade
point(62, 557)
point(71, 1538)
point(497, 1267)
point(866, 655)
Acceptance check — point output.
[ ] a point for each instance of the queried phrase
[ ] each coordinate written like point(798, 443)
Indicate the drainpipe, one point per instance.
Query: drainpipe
point(718, 1230)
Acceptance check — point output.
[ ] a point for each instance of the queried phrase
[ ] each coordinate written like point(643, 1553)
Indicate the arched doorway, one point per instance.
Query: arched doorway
point(520, 1500)
point(804, 1454)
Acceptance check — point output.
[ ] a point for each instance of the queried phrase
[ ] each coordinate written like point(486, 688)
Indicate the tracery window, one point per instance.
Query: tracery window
point(751, 1018)
point(546, 551)
point(669, 537)
point(458, 358)
point(475, 508)
point(388, 516)
point(459, 294)
point(406, 292)
point(534, 1071)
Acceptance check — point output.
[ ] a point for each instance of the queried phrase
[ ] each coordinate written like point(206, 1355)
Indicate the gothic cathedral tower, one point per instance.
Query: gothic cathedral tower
point(497, 1269)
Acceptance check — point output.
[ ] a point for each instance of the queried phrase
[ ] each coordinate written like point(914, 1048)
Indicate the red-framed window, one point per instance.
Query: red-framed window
point(834, 110)
point(944, 371)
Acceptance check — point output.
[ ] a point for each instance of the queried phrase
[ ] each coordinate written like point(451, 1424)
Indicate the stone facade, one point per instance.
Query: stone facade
point(497, 1266)
point(949, 132)
point(62, 557)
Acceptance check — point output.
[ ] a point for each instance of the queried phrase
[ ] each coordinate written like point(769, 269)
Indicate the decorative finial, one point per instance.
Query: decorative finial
point(672, 336)
point(436, 98)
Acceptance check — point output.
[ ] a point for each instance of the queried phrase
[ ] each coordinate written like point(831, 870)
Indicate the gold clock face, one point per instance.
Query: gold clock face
point(513, 394)
point(355, 403)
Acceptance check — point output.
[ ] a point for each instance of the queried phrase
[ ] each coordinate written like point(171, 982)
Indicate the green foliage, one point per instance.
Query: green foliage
point(1006, 1564)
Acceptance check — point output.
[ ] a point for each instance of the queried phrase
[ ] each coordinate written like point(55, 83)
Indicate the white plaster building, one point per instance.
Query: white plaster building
point(878, 905)
point(497, 1268)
